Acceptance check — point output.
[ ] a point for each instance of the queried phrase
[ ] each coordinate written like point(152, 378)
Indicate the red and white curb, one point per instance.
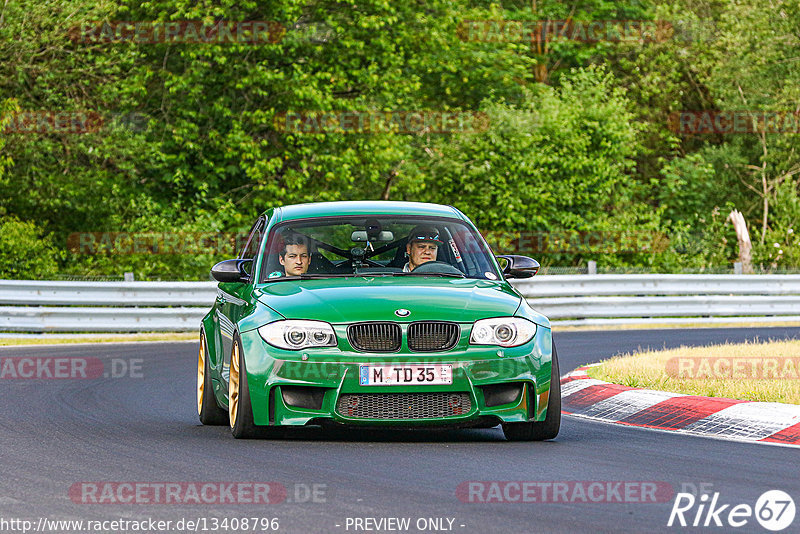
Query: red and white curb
point(766, 422)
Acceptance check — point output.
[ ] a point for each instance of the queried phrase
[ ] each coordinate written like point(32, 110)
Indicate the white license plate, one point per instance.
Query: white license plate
point(405, 374)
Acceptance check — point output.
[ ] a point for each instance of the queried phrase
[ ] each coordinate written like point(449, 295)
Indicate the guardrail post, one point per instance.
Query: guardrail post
point(591, 267)
point(737, 268)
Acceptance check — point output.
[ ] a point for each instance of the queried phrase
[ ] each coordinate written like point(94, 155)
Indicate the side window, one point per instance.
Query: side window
point(251, 247)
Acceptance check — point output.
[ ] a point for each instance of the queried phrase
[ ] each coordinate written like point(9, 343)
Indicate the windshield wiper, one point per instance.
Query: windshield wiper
point(448, 275)
point(322, 276)
point(314, 276)
point(317, 276)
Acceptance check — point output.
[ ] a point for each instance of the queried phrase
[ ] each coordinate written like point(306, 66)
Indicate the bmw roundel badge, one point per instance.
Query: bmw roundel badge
point(402, 312)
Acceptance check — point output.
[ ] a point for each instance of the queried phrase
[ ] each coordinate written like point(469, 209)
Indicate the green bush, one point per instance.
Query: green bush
point(25, 252)
point(781, 248)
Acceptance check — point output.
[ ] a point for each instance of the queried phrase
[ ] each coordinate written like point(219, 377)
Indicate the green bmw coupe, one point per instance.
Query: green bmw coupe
point(375, 313)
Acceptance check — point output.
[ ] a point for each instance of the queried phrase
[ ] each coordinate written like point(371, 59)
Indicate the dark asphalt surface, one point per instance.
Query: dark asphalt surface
point(56, 433)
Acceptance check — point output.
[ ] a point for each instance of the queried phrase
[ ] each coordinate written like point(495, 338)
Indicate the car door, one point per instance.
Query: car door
point(234, 298)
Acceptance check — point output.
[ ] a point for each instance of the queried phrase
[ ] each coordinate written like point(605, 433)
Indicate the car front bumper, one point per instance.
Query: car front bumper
point(331, 377)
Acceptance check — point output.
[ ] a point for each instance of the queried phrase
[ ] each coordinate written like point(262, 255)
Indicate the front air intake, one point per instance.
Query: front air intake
point(404, 405)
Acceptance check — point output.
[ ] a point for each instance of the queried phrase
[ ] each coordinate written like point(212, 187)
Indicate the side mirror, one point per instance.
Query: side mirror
point(518, 266)
point(231, 271)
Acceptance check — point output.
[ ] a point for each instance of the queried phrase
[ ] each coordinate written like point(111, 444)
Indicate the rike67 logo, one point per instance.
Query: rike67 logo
point(774, 510)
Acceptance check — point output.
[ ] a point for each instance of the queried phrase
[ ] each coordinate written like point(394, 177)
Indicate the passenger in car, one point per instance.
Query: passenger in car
point(294, 256)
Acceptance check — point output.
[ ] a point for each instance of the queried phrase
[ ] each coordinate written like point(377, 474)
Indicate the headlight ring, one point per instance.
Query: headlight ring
point(502, 331)
point(296, 334)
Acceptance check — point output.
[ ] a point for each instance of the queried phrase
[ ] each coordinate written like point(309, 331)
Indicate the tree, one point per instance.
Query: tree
point(559, 160)
point(762, 77)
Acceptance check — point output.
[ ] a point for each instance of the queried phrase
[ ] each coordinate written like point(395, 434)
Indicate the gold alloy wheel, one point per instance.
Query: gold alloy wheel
point(201, 373)
point(233, 385)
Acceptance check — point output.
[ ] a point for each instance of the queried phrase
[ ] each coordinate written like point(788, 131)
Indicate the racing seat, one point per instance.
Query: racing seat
point(320, 264)
point(399, 259)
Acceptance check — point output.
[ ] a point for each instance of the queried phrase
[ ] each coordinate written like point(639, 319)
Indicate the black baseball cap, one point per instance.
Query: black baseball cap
point(424, 232)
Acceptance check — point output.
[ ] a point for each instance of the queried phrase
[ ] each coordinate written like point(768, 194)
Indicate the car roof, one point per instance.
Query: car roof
point(365, 207)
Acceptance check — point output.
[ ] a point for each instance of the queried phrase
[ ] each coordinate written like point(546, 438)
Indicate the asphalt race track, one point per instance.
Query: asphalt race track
point(143, 427)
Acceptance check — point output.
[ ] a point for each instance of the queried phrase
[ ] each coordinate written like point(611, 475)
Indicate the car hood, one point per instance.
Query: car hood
point(348, 300)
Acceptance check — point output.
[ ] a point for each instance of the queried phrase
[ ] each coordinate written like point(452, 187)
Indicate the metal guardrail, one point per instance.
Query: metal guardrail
point(616, 299)
point(118, 294)
point(78, 319)
point(658, 284)
point(60, 306)
point(691, 306)
point(47, 306)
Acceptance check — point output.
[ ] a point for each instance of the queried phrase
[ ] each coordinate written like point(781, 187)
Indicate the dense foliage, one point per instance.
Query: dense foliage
point(577, 157)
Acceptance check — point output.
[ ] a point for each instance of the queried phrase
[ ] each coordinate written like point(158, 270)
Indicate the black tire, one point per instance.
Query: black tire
point(242, 425)
point(207, 408)
point(547, 429)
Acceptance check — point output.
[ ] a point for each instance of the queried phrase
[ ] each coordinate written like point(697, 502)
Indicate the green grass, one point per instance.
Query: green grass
point(760, 371)
point(687, 324)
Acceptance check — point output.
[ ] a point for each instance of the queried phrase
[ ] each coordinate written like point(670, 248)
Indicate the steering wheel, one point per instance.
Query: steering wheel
point(437, 267)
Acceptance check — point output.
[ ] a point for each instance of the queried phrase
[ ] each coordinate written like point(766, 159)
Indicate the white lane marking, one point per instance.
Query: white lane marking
point(627, 403)
point(576, 385)
point(748, 420)
point(720, 437)
point(580, 373)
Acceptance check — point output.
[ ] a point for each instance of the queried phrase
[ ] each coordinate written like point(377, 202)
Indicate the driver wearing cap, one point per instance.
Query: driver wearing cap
point(423, 246)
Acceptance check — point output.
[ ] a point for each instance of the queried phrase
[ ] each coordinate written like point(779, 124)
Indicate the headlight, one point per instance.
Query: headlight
point(296, 334)
point(503, 331)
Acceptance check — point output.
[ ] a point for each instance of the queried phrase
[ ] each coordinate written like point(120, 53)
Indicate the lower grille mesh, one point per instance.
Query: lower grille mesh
point(403, 405)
